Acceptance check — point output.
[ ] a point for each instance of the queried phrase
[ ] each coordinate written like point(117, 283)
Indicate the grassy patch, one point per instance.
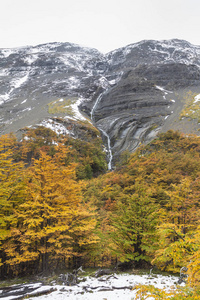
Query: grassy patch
point(15, 281)
point(191, 108)
point(62, 106)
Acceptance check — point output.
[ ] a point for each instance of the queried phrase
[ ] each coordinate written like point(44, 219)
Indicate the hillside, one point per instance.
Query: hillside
point(130, 94)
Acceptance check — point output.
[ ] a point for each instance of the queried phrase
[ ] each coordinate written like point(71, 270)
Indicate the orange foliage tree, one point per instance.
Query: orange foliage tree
point(53, 223)
point(11, 192)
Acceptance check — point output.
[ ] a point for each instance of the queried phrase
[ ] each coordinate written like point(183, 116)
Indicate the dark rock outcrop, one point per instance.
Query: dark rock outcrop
point(136, 108)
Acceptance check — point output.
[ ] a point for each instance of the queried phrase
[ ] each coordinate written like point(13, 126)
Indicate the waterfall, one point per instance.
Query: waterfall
point(95, 104)
point(109, 149)
point(110, 156)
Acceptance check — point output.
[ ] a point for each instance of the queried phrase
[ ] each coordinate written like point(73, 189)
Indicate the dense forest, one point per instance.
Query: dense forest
point(60, 208)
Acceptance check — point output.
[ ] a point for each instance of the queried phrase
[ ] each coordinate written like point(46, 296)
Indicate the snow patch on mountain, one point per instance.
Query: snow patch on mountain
point(163, 90)
point(7, 52)
point(30, 59)
point(55, 126)
point(104, 83)
point(3, 72)
point(164, 51)
point(50, 47)
point(73, 82)
point(197, 98)
point(24, 101)
point(16, 83)
point(26, 109)
point(166, 92)
point(76, 114)
point(4, 98)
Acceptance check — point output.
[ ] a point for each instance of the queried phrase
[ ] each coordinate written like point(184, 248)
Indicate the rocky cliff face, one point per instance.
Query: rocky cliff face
point(130, 94)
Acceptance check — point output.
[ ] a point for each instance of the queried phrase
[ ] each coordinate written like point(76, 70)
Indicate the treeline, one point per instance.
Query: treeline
point(60, 209)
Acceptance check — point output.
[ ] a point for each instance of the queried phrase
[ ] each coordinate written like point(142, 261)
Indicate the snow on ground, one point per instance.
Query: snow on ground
point(24, 101)
point(7, 52)
point(112, 82)
point(43, 48)
point(76, 61)
point(16, 83)
point(4, 98)
point(73, 82)
point(60, 128)
point(77, 115)
point(162, 52)
point(113, 288)
point(4, 72)
point(55, 126)
point(197, 98)
point(65, 58)
point(31, 58)
point(163, 90)
point(26, 109)
point(166, 92)
point(104, 82)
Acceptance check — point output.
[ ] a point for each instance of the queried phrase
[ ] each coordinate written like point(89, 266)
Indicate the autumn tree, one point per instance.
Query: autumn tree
point(134, 221)
point(52, 220)
point(11, 191)
point(178, 221)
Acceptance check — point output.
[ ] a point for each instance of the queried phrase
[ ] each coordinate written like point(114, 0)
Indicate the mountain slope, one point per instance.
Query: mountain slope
point(129, 94)
point(33, 77)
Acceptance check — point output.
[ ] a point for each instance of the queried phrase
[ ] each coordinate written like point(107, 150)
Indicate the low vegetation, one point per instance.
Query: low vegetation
point(191, 108)
point(62, 106)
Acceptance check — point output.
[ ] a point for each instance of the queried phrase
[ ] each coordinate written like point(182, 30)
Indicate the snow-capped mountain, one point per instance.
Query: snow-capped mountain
point(130, 94)
point(32, 77)
point(150, 52)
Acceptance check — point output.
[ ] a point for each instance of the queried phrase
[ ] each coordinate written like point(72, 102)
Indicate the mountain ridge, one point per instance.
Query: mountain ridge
point(130, 94)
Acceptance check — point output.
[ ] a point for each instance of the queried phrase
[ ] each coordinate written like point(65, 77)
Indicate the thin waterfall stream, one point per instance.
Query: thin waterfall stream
point(110, 156)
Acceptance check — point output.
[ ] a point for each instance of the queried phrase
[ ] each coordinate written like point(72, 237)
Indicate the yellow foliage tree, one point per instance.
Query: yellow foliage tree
point(11, 189)
point(194, 263)
point(179, 219)
point(52, 220)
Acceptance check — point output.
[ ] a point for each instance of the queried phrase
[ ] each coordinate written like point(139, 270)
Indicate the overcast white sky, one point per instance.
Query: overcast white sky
point(102, 24)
